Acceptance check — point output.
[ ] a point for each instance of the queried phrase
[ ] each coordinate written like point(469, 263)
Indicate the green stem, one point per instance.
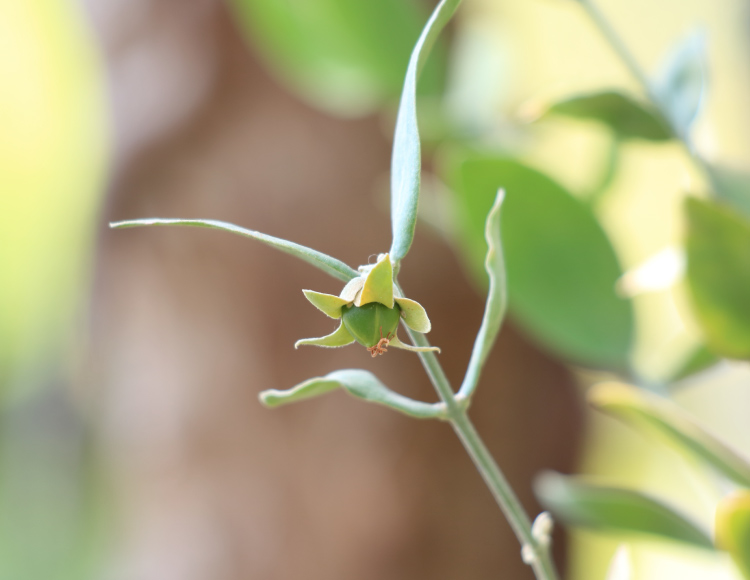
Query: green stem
point(623, 52)
point(484, 462)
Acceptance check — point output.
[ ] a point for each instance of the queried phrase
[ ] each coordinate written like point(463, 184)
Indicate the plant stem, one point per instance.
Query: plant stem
point(627, 58)
point(484, 462)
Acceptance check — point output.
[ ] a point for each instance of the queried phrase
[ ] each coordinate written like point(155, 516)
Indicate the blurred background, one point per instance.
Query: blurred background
point(132, 444)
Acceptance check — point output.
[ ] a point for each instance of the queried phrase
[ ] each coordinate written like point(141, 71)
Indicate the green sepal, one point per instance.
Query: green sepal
point(361, 384)
point(369, 323)
point(414, 315)
point(378, 286)
point(339, 337)
point(328, 304)
point(396, 343)
point(733, 528)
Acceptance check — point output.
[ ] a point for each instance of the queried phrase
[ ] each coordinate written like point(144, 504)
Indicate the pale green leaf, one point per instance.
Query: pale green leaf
point(339, 337)
point(733, 528)
point(497, 299)
point(414, 315)
point(644, 409)
point(307, 390)
point(406, 161)
point(328, 304)
point(718, 275)
point(327, 264)
point(680, 85)
point(361, 384)
point(378, 286)
point(626, 117)
point(621, 511)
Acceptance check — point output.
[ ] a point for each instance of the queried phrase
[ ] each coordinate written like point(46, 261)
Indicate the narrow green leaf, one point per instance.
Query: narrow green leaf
point(579, 503)
point(328, 304)
point(339, 337)
point(307, 390)
point(680, 85)
point(733, 528)
point(406, 161)
point(561, 266)
point(625, 116)
point(345, 56)
point(414, 315)
point(359, 383)
point(644, 409)
point(327, 264)
point(497, 300)
point(396, 343)
point(718, 275)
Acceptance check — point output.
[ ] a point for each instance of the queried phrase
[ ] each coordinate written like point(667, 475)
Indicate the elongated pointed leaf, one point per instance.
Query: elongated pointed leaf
point(329, 304)
point(680, 85)
point(339, 337)
point(497, 299)
point(327, 264)
point(396, 343)
point(626, 117)
point(718, 274)
point(561, 266)
point(378, 285)
point(617, 510)
point(406, 161)
point(359, 383)
point(733, 528)
point(646, 410)
point(414, 315)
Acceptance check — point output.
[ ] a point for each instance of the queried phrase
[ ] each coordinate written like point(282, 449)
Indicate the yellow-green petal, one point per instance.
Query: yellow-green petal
point(328, 304)
point(396, 343)
point(378, 284)
point(339, 337)
point(414, 315)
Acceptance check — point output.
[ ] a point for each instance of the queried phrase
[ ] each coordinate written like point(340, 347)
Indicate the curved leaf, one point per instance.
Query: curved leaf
point(718, 275)
point(561, 267)
point(626, 117)
point(497, 299)
point(616, 510)
point(733, 528)
point(644, 409)
point(406, 160)
point(414, 315)
point(378, 286)
point(361, 384)
point(334, 53)
point(328, 304)
point(339, 337)
point(327, 264)
point(680, 85)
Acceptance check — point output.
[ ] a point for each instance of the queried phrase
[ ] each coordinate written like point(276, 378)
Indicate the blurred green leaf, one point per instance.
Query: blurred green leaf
point(700, 359)
point(626, 117)
point(406, 160)
point(497, 299)
point(643, 409)
point(733, 528)
point(324, 262)
point(561, 267)
point(733, 186)
point(680, 85)
point(718, 274)
point(53, 152)
point(345, 56)
point(361, 384)
point(579, 503)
